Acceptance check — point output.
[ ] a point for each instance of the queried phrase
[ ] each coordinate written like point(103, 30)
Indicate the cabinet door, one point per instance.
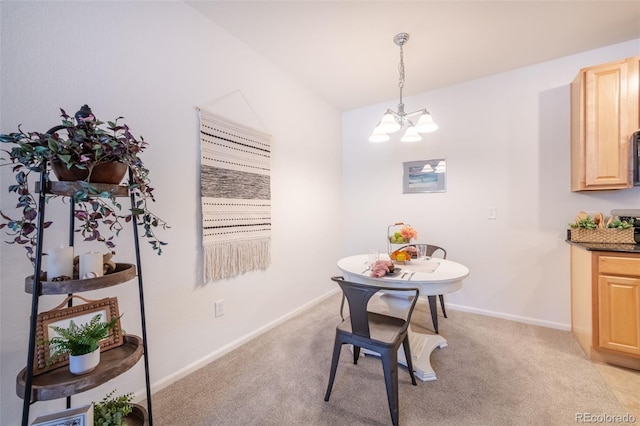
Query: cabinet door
point(604, 116)
point(606, 126)
point(619, 314)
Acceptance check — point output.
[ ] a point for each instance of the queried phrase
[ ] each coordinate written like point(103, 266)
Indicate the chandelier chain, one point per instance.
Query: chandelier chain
point(401, 71)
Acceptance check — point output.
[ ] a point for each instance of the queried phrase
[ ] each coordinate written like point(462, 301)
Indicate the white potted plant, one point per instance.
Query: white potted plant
point(82, 343)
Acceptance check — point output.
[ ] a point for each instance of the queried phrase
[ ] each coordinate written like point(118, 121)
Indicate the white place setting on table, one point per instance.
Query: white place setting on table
point(427, 266)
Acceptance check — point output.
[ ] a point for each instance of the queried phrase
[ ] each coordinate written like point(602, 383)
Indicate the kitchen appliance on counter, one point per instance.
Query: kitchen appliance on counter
point(630, 215)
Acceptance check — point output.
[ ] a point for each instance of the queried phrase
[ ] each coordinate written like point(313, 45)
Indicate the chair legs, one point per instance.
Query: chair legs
point(390, 367)
point(356, 353)
point(434, 312)
point(433, 307)
point(407, 356)
point(444, 311)
point(334, 365)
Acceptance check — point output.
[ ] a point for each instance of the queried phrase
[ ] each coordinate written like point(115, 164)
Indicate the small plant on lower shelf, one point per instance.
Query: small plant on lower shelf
point(111, 411)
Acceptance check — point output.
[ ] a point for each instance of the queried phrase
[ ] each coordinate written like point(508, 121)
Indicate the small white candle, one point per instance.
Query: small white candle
point(59, 262)
point(91, 265)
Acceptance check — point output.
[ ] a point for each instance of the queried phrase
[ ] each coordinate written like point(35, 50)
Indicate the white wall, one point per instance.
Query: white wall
point(153, 62)
point(506, 142)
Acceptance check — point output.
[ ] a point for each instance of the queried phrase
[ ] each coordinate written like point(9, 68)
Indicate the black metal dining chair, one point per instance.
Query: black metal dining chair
point(433, 251)
point(376, 332)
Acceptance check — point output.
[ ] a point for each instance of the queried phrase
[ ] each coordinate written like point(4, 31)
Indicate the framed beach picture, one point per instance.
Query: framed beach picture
point(82, 416)
point(424, 176)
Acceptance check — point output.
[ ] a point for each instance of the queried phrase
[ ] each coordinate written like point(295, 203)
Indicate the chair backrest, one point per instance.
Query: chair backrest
point(436, 251)
point(358, 296)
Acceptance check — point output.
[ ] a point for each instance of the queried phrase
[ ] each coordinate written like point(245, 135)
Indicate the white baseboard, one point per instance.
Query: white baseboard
point(183, 372)
point(194, 366)
point(517, 318)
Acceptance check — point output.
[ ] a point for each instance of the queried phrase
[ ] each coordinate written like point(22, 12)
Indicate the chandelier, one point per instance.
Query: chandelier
point(393, 121)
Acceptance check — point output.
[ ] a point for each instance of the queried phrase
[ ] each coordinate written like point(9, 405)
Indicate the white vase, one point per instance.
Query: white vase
point(81, 364)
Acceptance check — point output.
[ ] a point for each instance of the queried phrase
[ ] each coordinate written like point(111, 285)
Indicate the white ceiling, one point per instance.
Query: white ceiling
point(344, 50)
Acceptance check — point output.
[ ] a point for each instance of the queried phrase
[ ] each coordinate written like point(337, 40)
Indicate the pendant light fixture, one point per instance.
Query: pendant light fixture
point(393, 121)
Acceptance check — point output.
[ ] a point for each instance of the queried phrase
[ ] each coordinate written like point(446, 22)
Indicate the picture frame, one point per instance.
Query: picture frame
point(81, 416)
point(424, 176)
point(80, 314)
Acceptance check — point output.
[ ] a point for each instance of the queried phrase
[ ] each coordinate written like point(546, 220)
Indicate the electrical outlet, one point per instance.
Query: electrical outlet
point(493, 213)
point(219, 308)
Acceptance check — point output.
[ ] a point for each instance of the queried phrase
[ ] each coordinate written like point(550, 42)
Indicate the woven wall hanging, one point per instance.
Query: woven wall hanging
point(236, 197)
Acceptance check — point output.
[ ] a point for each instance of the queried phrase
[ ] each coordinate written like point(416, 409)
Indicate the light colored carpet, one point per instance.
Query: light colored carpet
point(494, 372)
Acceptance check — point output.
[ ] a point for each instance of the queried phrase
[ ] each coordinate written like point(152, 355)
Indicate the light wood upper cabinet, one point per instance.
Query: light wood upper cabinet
point(605, 112)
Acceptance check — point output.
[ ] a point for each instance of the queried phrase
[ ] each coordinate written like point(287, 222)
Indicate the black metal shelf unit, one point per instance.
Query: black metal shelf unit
point(44, 187)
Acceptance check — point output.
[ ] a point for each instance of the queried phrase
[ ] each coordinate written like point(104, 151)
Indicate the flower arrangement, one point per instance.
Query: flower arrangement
point(87, 145)
point(404, 235)
point(408, 232)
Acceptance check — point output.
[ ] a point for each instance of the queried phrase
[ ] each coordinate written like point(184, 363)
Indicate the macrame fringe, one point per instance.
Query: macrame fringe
point(231, 258)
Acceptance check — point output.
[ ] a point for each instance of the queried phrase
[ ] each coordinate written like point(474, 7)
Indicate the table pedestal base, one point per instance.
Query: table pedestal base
point(422, 345)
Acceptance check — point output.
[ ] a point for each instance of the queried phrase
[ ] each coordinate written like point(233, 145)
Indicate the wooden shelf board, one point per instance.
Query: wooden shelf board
point(61, 383)
point(124, 272)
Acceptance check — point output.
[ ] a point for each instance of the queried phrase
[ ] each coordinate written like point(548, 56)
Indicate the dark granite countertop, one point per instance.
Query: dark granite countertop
point(623, 248)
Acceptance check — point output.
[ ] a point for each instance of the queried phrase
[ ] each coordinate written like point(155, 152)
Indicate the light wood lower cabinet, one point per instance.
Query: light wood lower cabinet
point(619, 313)
point(605, 305)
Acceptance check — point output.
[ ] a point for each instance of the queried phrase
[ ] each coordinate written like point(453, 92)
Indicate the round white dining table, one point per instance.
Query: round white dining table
point(432, 277)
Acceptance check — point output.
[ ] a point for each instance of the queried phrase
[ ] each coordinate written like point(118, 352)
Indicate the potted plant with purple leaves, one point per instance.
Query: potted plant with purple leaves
point(85, 150)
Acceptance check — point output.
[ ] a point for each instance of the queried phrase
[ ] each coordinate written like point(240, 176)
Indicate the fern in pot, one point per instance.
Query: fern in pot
point(81, 342)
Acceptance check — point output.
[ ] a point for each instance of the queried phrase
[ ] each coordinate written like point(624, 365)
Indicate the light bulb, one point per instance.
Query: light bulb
point(388, 124)
point(426, 124)
point(411, 135)
point(377, 136)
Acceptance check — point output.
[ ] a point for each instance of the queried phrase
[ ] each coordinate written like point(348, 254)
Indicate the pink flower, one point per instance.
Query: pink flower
point(408, 232)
